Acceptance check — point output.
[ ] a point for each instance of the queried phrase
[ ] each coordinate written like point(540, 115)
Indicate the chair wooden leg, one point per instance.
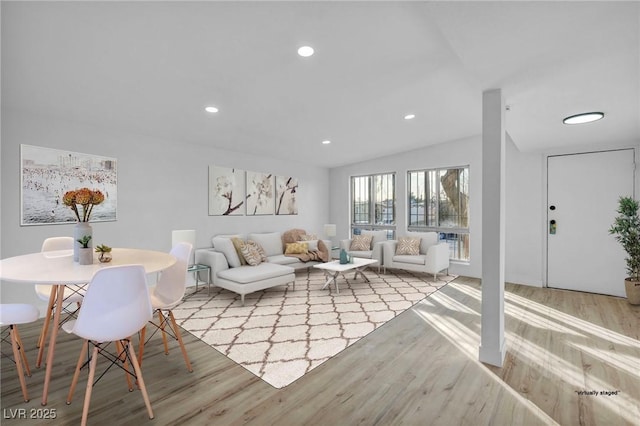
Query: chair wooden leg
point(76, 374)
point(163, 324)
point(25, 362)
point(47, 319)
point(176, 330)
point(140, 380)
point(143, 333)
point(18, 359)
point(87, 394)
point(122, 356)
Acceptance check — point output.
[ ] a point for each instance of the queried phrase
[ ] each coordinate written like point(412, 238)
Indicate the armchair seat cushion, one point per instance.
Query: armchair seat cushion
point(419, 259)
point(365, 254)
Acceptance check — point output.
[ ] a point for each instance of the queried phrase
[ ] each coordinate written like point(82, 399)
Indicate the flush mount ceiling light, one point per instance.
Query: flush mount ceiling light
point(586, 117)
point(211, 109)
point(305, 51)
point(409, 116)
point(326, 142)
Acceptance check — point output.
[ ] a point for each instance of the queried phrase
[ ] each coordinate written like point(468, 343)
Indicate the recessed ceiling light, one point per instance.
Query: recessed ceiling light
point(305, 51)
point(327, 142)
point(409, 116)
point(211, 109)
point(586, 117)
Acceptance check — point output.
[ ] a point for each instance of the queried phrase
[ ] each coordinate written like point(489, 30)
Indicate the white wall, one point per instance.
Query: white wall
point(162, 185)
point(450, 154)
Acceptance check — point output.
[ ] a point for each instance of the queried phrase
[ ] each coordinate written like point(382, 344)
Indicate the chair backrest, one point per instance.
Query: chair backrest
point(116, 304)
point(173, 280)
point(57, 243)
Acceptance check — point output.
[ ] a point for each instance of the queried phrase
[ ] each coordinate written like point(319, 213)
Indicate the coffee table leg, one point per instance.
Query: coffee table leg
point(330, 278)
point(359, 272)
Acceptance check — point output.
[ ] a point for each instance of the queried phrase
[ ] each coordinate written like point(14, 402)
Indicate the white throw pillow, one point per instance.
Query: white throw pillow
point(312, 245)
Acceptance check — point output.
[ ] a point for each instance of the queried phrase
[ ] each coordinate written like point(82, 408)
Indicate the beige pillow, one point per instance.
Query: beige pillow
point(238, 243)
point(408, 246)
point(253, 253)
point(308, 237)
point(361, 243)
point(297, 248)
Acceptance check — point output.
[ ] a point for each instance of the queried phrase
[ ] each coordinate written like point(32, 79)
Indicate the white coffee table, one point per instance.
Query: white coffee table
point(334, 268)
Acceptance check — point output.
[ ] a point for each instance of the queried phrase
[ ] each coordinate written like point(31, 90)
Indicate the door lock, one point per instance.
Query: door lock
point(552, 227)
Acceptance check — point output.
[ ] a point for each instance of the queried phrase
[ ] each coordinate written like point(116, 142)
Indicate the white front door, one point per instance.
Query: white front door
point(582, 199)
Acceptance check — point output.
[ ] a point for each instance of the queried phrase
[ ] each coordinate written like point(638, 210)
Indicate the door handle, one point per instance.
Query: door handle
point(552, 227)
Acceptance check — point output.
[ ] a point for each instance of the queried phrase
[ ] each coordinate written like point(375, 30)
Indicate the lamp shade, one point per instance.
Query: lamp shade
point(185, 236)
point(330, 230)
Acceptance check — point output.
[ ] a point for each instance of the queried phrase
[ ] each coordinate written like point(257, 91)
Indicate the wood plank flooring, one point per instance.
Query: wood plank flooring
point(419, 369)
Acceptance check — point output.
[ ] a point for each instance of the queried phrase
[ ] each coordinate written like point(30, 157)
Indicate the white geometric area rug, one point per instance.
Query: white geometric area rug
point(281, 334)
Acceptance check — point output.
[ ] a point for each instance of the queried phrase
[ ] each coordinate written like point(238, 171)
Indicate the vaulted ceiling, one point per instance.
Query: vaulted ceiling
point(151, 68)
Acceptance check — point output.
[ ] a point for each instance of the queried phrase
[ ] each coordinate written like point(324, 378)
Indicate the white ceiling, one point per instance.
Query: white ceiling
point(151, 68)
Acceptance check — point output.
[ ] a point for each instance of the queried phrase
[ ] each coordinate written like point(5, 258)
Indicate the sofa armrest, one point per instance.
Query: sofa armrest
point(213, 259)
point(388, 251)
point(437, 258)
point(378, 252)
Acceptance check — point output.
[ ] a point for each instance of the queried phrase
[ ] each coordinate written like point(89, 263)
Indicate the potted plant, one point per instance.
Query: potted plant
point(85, 255)
point(105, 253)
point(626, 229)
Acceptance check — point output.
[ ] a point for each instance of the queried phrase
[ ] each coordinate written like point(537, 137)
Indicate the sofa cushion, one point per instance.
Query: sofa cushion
point(408, 246)
point(361, 243)
point(225, 246)
point(248, 274)
point(297, 248)
point(281, 259)
point(416, 260)
point(271, 242)
point(242, 237)
point(427, 239)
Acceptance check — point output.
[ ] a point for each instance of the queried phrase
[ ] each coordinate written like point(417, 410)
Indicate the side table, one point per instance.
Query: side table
point(196, 269)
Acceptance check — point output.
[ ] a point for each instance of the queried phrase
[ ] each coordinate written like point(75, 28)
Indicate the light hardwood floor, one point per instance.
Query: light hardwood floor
point(419, 369)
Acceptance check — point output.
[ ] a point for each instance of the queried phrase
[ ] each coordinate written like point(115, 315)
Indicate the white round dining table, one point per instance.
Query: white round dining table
point(58, 269)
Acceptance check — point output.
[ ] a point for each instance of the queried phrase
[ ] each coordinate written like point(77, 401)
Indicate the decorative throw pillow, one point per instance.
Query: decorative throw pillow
point(297, 248)
point(238, 243)
point(312, 245)
point(361, 243)
point(408, 245)
point(261, 251)
point(251, 252)
point(308, 237)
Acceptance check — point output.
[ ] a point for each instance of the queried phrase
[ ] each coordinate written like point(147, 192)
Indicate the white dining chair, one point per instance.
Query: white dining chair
point(12, 314)
point(165, 295)
point(72, 293)
point(116, 306)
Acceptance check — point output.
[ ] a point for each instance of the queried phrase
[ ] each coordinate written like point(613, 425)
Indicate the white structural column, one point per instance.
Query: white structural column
point(492, 348)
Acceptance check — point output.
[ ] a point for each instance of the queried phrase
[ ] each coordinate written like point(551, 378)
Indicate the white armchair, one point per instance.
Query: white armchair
point(374, 250)
point(433, 257)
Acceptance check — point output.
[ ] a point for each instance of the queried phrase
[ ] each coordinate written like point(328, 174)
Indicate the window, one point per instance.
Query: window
point(439, 201)
point(373, 203)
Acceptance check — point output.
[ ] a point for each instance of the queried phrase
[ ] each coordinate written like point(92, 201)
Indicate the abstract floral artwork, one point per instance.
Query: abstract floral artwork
point(260, 193)
point(286, 190)
point(226, 191)
point(46, 174)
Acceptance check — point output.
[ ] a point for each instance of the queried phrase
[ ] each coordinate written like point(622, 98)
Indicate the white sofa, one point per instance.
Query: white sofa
point(227, 271)
point(375, 248)
point(433, 256)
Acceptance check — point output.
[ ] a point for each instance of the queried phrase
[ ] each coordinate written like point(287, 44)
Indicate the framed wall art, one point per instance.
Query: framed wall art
point(46, 174)
point(260, 193)
point(226, 191)
point(286, 191)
